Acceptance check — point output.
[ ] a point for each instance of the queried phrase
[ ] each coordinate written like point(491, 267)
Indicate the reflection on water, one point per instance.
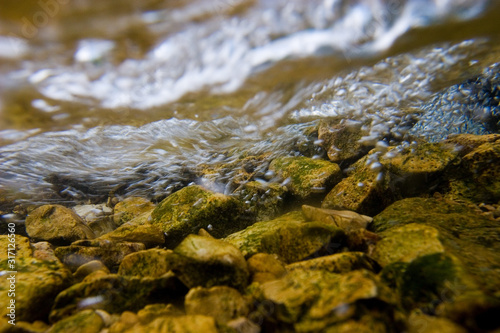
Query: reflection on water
point(139, 95)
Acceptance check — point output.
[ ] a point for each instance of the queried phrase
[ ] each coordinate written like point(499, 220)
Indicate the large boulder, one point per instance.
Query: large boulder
point(57, 224)
point(192, 208)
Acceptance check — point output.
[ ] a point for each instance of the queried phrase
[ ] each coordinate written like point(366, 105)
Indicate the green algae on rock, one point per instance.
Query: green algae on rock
point(265, 200)
point(170, 324)
point(344, 219)
point(89, 268)
point(337, 263)
point(207, 262)
point(289, 236)
point(130, 208)
point(307, 175)
point(192, 208)
point(87, 321)
point(37, 281)
point(265, 267)
point(220, 302)
point(147, 234)
point(341, 142)
point(57, 224)
point(152, 262)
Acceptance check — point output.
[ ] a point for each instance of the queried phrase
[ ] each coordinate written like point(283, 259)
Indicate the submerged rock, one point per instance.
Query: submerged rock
point(193, 208)
point(89, 268)
point(307, 176)
point(265, 267)
point(36, 282)
point(87, 321)
point(147, 234)
point(288, 236)
point(152, 262)
point(57, 224)
point(97, 217)
point(341, 142)
point(207, 262)
point(177, 324)
point(264, 200)
point(344, 219)
point(130, 208)
point(337, 263)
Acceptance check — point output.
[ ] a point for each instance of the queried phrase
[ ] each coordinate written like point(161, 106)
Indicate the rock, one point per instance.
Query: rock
point(265, 267)
point(341, 141)
point(465, 143)
point(89, 268)
point(208, 262)
point(37, 281)
point(115, 294)
point(220, 302)
point(264, 199)
point(400, 173)
point(97, 217)
point(153, 311)
point(109, 253)
point(152, 262)
point(130, 208)
point(362, 240)
point(307, 176)
point(147, 234)
point(462, 232)
point(343, 219)
point(57, 224)
point(314, 300)
point(337, 263)
point(243, 325)
point(177, 324)
point(419, 322)
point(288, 236)
point(24, 327)
point(192, 208)
point(86, 321)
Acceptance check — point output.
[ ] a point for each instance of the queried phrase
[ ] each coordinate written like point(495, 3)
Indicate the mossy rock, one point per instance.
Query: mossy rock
point(419, 322)
point(192, 208)
point(57, 224)
point(288, 236)
point(307, 176)
point(147, 234)
point(130, 208)
point(109, 253)
point(220, 302)
point(86, 321)
point(204, 261)
point(37, 281)
point(152, 262)
point(263, 200)
point(115, 294)
point(467, 235)
point(170, 324)
point(314, 300)
point(337, 263)
point(265, 267)
point(341, 142)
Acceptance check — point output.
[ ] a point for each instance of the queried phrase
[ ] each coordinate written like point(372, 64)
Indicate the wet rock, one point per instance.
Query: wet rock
point(419, 322)
point(264, 200)
point(85, 321)
point(461, 231)
point(109, 253)
point(220, 302)
point(130, 208)
point(265, 267)
point(361, 240)
point(400, 173)
point(243, 325)
point(465, 143)
point(24, 327)
point(147, 234)
point(288, 236)
point(37, 281)
point(89, 268)
point(115, 294)
point(343, 219)
point(57, 224)
point(193, 208)
point(337, 263)
point(341, 141)
point(44, 251)
point(306, 176)
point(177, 324)
point(152, 262)
point(207, 262)
point(153, 311)
point(314, 300)
point(97, 217)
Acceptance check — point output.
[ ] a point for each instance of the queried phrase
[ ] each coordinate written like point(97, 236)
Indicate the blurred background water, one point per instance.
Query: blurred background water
point(96, 95)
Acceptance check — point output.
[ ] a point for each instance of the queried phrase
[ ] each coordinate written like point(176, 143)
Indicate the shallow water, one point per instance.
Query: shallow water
point(95, 97)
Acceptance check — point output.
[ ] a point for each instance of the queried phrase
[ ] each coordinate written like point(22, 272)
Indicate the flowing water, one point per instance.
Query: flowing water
point(95, 96)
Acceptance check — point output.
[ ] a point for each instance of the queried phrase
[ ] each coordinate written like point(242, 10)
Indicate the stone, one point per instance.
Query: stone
point(220, 302)
point(337, 263)
point(170, 324)
point(43, 251)
point(115, 294)
point(207, 262)
point(147, 234)
point(243, 325)
point(152, 262)
point(37, 281)
point(86, 321)
point(89, 268)
point(362, 240)
point(152, 311)
point(24, 327)
point(130, 208)
point(265, 267)
point(343, 219)
point(109, 253)
point(57, 224)
point(264, 200)
point(288, 236)
point(341, 141)
point(97, 217)
point(307, 176)
point(419, 322)
point(192, 208)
